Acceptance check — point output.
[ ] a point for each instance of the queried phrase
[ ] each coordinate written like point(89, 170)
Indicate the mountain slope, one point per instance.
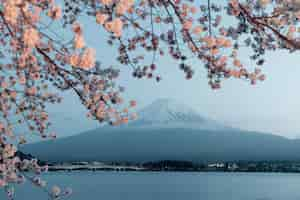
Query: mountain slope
point(167, 130)
point(138, 144)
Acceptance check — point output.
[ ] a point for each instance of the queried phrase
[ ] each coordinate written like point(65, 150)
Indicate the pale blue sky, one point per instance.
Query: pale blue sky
point(271, 106)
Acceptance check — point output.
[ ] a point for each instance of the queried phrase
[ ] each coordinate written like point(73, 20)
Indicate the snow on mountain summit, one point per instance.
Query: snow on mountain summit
point(171, 113)
point(167, 111)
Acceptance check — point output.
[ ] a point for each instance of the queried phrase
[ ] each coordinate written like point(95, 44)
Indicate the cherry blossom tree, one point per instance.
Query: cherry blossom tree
point(37, 64)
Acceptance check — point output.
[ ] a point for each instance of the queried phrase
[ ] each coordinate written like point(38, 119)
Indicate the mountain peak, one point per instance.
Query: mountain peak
point(170, 105)
point(165, 101)
point(168, 111)
point(172, 113)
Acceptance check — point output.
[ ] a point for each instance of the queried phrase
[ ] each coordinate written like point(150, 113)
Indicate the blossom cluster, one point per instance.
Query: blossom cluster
point(167, 27)
point(112, 21)
point(35, 67)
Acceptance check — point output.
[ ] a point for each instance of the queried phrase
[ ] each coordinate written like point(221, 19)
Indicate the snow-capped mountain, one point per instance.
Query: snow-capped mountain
point(166, 113)
point(167, 130)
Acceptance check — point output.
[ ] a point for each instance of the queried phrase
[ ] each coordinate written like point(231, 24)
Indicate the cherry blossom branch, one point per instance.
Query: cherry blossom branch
point(209, 17)
point(189, 37)
point(259, 24)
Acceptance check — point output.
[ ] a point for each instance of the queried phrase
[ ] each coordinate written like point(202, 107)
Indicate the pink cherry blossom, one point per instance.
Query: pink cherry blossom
point(31, 37)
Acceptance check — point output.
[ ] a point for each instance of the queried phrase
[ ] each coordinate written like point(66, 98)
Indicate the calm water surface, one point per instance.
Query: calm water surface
point(169, 186)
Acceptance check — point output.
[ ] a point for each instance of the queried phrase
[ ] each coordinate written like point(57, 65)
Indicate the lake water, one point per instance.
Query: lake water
point(169, 186)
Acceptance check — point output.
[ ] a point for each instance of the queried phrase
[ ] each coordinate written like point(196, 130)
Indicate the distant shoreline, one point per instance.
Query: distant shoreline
point(181, 166)
point(184, 171)
point(172, 165)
